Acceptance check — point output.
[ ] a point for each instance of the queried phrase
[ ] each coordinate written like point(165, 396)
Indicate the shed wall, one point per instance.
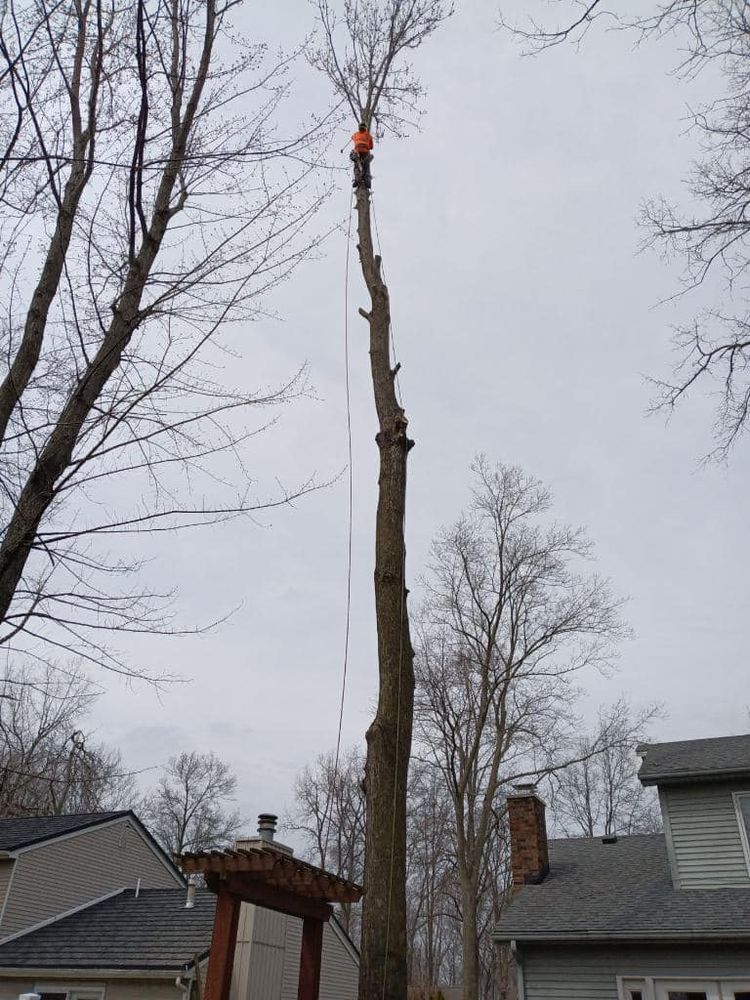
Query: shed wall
point(705, 835)
point(560, 972)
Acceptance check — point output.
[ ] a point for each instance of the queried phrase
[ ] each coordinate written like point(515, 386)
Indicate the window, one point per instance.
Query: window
point(683, 989)
point(742, 805)
point(70, 992)
point(676, 989)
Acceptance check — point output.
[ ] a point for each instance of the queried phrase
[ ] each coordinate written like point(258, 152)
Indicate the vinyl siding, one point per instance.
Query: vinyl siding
point(705, 835)
point(241, 972)
point(55, 877)
point(557, 972)
point(132, 989)
point(339, 973)
point(339, 977)
point(266, 962)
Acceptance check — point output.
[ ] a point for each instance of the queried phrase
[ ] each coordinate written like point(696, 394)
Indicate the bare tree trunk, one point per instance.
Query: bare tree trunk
point(470, 938)
point(383, 968)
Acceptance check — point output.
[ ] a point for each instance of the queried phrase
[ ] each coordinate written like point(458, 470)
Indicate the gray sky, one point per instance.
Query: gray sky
point(525, 321)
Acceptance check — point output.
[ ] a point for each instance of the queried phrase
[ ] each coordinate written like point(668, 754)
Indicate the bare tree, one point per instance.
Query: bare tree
point(713, 351)
point(506, 625)
point(364, 55)
point(48, 763)
point(142, 217)
point(600, 794)
point(190, 809)
point(433, 894)
point(329, 811)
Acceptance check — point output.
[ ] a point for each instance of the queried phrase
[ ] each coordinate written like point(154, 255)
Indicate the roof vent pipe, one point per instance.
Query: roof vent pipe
point(267, 826)
point(190, 899)
point(611, 838)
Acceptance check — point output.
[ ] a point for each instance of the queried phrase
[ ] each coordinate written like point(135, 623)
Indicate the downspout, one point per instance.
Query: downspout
point(520, 984)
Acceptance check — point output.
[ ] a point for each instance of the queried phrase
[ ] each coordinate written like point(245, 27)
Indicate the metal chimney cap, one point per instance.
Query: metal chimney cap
point(267, 826)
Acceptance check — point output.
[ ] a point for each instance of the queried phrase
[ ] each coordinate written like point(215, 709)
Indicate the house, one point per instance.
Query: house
point(92, 909)
point(654, 917)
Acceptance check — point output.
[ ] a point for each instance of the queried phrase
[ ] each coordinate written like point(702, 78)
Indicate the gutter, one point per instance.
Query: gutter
point(642, 935)
point(30, 972)
point(685, 777)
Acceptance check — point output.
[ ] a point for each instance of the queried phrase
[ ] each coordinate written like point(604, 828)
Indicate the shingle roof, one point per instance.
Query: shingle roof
point(22, 832)
point(622, 890)
point(721, 757)
point(154, 931)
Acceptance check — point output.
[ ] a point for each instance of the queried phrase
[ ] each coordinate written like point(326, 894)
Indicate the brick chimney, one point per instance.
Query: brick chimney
point(529, 854)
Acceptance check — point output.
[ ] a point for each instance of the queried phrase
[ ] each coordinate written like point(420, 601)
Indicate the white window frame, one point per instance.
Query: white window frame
point(744, 835)
point(711, 987)
point(74, 991)
point(730, 986)
point(657, 988)
point(625, 984)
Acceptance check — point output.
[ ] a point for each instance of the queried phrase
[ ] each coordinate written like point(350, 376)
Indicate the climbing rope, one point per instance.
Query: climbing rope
point(350, 530)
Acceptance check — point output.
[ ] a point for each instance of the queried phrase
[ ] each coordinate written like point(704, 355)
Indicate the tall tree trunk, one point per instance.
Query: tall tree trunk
point(383, 967)
point(470, 938)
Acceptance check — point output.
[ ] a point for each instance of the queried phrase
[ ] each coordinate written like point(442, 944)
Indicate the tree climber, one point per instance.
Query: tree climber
point(361, 156)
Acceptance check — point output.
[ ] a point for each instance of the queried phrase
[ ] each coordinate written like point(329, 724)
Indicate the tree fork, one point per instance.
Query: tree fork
point(383, 968)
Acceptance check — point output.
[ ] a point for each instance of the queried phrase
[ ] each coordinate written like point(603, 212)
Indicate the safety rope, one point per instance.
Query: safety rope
point(350, 531)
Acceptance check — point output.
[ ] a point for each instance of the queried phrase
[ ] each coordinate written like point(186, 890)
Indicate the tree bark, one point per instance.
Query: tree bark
point(26, 358)
point(470, 939)
point(383, 967)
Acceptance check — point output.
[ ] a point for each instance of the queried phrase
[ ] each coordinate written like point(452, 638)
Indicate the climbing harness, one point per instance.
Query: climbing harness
point(362, 174)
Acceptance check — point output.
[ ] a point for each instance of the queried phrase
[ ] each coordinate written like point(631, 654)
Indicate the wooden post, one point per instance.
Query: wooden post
point(223, 942)
point(310, 958)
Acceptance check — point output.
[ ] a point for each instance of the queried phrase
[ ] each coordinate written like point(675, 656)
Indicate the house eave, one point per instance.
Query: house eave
point(690, 776)
point(643, 936)
point(93, 972)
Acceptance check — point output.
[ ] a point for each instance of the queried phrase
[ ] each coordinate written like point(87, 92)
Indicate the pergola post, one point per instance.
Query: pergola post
point(310, 959)
point(223, 942)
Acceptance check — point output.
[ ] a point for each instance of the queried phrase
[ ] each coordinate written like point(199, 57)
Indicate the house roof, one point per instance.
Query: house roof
point(684, 760)
point(150, 932)
point(596, 891)
point(18, 832)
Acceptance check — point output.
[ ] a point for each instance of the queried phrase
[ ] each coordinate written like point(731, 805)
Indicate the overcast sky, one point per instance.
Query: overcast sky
point(525, 322)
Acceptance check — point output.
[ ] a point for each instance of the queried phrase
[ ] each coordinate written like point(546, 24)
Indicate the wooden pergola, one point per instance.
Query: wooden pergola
point(268, 876)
